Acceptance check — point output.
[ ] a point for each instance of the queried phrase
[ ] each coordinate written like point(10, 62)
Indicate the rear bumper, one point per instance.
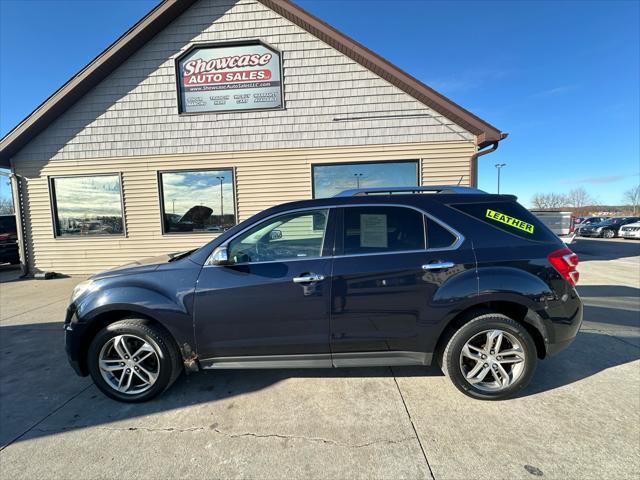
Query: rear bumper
point(563, 323)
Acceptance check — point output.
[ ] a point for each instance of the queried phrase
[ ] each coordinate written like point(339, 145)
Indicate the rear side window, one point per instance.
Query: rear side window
point(382, 229)
point(438, 236)
point(510, 217)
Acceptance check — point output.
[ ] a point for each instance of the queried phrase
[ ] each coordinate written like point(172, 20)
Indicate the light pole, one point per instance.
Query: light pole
point(358, 176)
point(221, 178)
point(174, 205)
point(499, 166)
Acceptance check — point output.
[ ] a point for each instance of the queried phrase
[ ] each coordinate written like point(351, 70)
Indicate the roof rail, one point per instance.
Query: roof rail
point(391, 190)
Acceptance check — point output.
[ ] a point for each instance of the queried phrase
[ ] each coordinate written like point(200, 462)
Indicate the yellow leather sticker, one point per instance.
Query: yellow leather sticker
point(511, 221)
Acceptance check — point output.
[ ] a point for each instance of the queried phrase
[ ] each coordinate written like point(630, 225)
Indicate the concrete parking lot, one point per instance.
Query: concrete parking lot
point(579, 418)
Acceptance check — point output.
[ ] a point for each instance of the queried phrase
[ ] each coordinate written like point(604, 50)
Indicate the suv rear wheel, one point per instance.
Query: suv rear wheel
point(491, 357)
point(133, 360)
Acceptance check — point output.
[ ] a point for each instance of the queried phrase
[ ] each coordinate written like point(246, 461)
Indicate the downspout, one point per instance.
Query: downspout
point(18, 203)
point(473, 168)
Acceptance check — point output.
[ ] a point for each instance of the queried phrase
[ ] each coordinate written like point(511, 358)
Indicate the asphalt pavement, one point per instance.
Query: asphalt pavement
point(579, 418)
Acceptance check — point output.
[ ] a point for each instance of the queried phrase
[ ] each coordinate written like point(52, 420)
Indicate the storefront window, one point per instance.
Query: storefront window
point(329, 180)
point(198, 201)
point(87, 205)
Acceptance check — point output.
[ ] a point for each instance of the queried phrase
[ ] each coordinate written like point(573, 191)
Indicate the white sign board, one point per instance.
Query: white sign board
point(373, 231)
point(229, 77)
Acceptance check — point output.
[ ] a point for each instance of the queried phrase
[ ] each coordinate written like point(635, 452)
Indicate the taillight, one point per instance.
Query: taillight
point(566, 263)
point(4, 238)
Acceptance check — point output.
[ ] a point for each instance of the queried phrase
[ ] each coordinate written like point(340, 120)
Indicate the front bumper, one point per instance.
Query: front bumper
point(630, 233)
point(589, 233)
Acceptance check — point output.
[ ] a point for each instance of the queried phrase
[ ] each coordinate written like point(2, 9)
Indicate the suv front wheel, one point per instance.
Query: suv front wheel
point(491, 357)
point(133, 360)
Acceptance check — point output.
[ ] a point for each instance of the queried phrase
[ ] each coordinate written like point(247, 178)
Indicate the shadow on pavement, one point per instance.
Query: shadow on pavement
point(36, 381)
point(590, 291)
point(606, 249)
point(9, 273)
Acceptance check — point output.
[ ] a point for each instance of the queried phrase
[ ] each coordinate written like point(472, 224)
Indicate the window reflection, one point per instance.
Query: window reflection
point(87, 206)
point(198, 201)
point(329, 180)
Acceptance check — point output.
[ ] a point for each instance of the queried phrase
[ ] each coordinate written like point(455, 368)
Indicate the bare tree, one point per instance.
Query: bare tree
point(539, 200)
point(632, 197)
point(578, 198)
point(6, 206)
point(549, 200)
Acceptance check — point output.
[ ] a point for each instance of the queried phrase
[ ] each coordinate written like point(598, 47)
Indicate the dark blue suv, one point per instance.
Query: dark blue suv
point(372, 277)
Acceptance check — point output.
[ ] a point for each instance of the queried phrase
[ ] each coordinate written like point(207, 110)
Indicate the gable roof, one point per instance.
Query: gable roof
point(168, 10)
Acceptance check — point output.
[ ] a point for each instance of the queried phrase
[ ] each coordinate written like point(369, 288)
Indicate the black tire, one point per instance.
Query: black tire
point(609, 234)
point(481, 321)
point(169, 359)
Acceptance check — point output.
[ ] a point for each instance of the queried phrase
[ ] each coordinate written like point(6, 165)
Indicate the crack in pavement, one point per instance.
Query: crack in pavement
point(415, 431)
point(229, 434)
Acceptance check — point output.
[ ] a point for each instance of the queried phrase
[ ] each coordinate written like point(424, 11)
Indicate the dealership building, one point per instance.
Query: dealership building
point(209, 111)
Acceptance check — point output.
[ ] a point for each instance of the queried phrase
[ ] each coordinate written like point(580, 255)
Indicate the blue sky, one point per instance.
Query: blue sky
point(561, 77)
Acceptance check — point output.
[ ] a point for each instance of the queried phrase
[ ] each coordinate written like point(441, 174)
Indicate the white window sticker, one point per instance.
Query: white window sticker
point(373, 231)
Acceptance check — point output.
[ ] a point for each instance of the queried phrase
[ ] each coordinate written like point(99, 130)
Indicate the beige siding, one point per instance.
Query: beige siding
point(133, 112)
point(263, 179)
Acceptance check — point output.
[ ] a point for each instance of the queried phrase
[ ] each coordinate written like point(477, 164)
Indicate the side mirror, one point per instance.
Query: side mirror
point(220, 256)
point(275, 235)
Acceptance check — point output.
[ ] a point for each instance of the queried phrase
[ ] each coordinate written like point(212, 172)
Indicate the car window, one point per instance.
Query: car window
point(510, 217)
point(438, 236)
point(382, 229)
point(289, 236)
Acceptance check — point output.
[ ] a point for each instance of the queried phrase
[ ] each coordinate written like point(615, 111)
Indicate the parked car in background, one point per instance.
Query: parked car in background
point(559, 222)
point(9, 240)
point(462, 278)
point(607, 229)
point(585, 221)
point(631, 230)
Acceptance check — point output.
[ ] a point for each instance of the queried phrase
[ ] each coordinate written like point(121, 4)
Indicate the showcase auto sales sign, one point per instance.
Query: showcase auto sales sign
point(222, 78)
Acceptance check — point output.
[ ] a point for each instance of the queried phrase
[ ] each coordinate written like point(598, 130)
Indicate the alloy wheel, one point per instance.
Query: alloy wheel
point(129, 364)
point(492, 360)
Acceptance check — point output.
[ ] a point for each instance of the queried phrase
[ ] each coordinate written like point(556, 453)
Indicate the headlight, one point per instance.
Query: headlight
point(81, 288)
point(599, 229)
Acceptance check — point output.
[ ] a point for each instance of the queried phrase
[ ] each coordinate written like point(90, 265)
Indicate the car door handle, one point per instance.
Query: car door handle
point(312, 277)
point(437, 266)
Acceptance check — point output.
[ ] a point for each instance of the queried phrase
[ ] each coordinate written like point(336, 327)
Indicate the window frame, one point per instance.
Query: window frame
point(332, 248)
point(367, 162)
point(54, 205)
point(159, 174)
